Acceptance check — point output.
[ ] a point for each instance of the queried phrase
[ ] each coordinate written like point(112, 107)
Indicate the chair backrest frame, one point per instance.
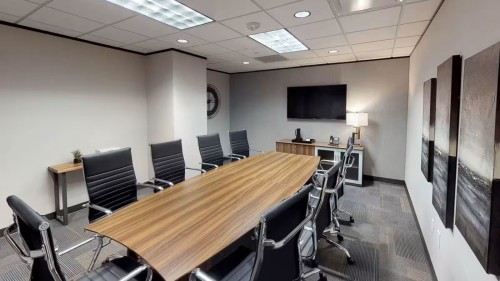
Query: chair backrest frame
point(168, 161)
point(210, 150)
point(238, 141)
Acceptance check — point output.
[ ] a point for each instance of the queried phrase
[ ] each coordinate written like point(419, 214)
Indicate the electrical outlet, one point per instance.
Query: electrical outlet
point(432, 224)
point(439, 239)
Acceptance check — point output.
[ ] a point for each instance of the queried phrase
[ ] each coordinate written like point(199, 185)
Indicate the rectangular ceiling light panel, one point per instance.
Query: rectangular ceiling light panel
point(280, 41)
point(169, 12)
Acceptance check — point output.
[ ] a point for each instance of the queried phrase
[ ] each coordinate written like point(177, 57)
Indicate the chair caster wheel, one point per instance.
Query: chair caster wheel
point(350, 260)
point(322, 277)
point(340, 237)
point(351, 220)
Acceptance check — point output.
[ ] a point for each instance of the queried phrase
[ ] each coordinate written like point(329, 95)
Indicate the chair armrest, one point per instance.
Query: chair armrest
point(163, 181)
point(157, 187)
point(76, 246)
point(198, 274)
point(195, 169)
point(231, 157)
point(256, 150)
point(282, 242)
point(19, 251)
point(98, 208)
point(350, 162)
point(137, 271)
point(208, 164)
point(237, 155)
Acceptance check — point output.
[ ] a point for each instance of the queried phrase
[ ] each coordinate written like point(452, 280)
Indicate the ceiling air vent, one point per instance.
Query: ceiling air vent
point(273, 58)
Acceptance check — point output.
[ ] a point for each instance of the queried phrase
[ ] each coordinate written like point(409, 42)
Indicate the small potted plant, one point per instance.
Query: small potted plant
point(77, 156)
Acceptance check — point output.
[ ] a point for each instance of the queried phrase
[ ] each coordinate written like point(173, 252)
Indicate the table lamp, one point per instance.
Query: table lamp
point(357, 120)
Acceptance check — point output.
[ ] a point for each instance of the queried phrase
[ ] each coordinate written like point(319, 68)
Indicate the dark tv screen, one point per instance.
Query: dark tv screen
point(317, 102)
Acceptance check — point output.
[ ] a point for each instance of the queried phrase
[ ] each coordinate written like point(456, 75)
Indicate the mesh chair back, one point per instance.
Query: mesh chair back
point(110, 179)
point(168, 161)
point(210, 151)
point(239, 143)
point(283, 263)
point(31, 225)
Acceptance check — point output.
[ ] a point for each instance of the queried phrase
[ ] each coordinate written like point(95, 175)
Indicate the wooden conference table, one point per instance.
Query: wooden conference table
point(178, 229)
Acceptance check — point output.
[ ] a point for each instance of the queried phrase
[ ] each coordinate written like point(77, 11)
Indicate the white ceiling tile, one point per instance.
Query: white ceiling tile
point(238, 44)
point(215, 60)
point(222, 9)
point(268, 4)
point(213, 32)
point(120, 35)
point(208, 49)
point(380, 54)
point(50, 28)
point(239, 24)
point(17, 8)
point(146, 26)
point(300, 55)
point(371, 20)
point(64, 20)
point(342, 50)
point(402, 52)
point(96, 10)
point(280, 64)
point(406, 41)
point(372, 35)
point(325, 42)
point(340, 58)
point(136, 49)
point(231, 56)
point(412, 29)
point(153, 45)
point(373, 46)
point(257, 52)
point(310, 61)
point(320, 10)
point(101, 40)
point(8, 18)
point(419, 11)
point(172, 39)
point(316, 30)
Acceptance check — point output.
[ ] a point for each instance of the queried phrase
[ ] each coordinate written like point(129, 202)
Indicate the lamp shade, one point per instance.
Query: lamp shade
point(357, 119)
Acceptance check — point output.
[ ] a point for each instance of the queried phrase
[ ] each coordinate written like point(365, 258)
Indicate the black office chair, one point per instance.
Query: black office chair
point(321, 225)
point(211, 153)
point(347, 162)
point(278, 256)
point(111, 182)
point(168, 163)
point(38, 248)
point(239, 144)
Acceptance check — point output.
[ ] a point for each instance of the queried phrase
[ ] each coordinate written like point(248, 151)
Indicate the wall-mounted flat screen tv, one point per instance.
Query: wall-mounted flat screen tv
point(317, 102)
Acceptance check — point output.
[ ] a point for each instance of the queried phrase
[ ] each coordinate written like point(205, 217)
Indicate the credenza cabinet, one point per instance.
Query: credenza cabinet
point(354, 174)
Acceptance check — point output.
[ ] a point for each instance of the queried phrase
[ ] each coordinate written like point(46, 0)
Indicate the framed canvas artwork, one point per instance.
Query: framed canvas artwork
point(429, 117)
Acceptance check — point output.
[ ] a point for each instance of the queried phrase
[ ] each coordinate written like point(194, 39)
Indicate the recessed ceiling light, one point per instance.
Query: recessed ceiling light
point(280, 41)
point(302, 14)
point(182, 41)
point(246, 62)
point(333, 51)
point(169, 12)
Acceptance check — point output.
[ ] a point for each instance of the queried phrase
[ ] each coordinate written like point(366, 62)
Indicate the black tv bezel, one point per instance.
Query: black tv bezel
point(326, 119)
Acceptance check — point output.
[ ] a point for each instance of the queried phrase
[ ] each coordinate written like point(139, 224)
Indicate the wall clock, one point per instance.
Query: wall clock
point(213, 101)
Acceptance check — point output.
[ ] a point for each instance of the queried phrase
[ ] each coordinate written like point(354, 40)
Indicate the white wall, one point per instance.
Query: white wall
point(258, 104)
point(57, 95)
point(190, 105)
point(221, 122)
point(462, 27)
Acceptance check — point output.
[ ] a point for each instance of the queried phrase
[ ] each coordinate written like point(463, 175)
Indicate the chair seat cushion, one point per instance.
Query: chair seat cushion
point(114, 270)
point(243, 271)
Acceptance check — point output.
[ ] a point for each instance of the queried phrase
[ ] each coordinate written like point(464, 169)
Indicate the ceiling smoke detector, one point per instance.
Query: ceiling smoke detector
point(253, 25)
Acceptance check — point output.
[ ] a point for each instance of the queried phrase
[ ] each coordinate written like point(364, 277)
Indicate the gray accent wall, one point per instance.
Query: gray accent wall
point(460, 27)
point(259, 104)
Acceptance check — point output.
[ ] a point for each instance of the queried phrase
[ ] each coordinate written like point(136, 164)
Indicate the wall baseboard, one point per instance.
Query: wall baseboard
point(433, 272)
point(382, 179)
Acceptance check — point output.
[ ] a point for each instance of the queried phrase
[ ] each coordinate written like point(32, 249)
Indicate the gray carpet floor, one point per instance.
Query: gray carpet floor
point(384, 241)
